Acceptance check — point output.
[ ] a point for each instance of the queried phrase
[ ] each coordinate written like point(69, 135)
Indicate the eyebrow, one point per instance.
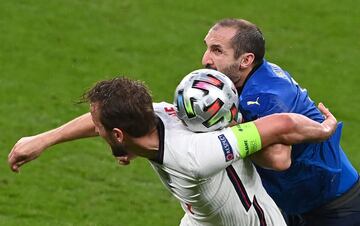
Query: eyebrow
point(213, 46)
point(216, 46)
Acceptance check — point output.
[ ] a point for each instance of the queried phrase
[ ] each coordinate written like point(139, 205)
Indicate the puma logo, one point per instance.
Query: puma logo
point(253, 102)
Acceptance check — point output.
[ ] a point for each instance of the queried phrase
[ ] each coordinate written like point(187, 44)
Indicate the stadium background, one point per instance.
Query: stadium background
point(52, 51)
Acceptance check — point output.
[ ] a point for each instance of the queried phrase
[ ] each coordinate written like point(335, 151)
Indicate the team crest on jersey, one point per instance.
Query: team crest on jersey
point(228, 152)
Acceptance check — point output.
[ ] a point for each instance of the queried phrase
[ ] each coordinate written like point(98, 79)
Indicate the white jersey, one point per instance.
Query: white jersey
point(206, 174)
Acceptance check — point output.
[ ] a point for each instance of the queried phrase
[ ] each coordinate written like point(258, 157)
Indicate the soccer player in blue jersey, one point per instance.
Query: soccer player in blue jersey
point(320, 187)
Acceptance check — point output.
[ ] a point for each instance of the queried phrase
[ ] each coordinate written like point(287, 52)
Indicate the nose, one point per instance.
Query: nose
point(206, 59)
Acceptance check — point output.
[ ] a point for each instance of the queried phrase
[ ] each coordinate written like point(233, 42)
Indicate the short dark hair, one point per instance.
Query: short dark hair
point(247, 39)
point(125, 104)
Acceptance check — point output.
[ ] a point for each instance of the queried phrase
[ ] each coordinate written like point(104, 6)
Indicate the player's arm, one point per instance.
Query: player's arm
point(208, 153)
point(296, 128)
point(29, 148)
point(275, 157)
point(284, 128)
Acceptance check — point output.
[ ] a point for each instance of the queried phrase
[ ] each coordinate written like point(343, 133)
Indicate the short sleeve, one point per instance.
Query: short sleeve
point(213, 152)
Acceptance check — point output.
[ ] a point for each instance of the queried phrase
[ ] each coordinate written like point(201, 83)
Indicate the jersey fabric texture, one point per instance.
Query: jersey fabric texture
point(319, 172)
point(205, 173)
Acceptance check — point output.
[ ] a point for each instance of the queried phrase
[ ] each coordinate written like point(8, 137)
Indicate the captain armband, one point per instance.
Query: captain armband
point(248, 138)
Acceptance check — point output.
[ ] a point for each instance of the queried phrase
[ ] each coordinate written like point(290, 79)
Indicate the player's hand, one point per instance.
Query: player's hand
point(330, 122)
point(25, 150)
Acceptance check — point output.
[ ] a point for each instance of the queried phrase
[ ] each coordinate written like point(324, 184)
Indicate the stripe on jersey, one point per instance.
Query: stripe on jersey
point(243, 196)
point(239, 187)
point(259, 212)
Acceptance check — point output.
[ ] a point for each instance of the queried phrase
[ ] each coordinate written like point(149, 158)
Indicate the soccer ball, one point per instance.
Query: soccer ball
point(206, 100)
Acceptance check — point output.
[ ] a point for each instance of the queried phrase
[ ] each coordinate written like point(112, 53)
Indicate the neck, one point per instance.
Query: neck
point(146, 146)
point(245, 73)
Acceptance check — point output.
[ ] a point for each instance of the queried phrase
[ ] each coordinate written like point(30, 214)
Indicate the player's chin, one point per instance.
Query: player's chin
point(123, 163)
point(236, 82)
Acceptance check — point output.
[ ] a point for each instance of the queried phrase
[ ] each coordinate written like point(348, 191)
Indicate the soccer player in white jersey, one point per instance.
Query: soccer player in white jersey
point(206, 172)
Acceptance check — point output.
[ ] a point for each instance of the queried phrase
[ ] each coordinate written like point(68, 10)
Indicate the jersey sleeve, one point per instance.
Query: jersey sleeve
point(217, 150)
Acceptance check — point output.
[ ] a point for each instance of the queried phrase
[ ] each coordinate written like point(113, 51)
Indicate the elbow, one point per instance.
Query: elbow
point(283, 158)
point(277, 163)
point(281, 165)
point(276, 157)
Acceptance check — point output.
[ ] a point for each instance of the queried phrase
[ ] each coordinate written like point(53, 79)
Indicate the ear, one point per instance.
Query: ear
point(118, 134)
point(246, 60)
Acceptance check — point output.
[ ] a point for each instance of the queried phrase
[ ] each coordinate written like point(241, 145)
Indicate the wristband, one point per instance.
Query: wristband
point(248, 138)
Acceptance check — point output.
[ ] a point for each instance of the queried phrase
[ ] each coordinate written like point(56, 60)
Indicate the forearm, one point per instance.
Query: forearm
point(285, 128)
point(293, 128)
point(80, 127)
point(29, 148)
point(301, 129)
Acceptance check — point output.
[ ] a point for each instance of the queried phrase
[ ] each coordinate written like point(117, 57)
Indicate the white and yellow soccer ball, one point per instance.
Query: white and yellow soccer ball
point(206, 100)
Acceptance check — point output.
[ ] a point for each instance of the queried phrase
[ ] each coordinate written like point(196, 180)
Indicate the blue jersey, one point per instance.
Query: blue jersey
point(319, 172)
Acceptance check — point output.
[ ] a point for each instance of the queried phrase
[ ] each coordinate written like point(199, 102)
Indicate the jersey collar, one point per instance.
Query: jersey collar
point(161, 132)
point(248, 77)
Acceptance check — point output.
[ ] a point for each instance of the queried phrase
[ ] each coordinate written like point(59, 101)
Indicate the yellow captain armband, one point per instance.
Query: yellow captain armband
point(248, 138)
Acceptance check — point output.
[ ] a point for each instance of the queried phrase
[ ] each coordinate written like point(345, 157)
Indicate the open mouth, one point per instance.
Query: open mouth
point(208, 66)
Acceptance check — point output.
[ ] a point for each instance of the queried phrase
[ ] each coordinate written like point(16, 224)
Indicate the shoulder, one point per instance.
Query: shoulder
point(212, 152)
point(179, 152)
point(269, 80)
point(268, 76)
point(165, 111)
point(270, 89)
point(160, 107)
point(278, 72)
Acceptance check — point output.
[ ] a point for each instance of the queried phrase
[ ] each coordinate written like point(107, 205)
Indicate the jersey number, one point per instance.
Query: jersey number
point(170, 110)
